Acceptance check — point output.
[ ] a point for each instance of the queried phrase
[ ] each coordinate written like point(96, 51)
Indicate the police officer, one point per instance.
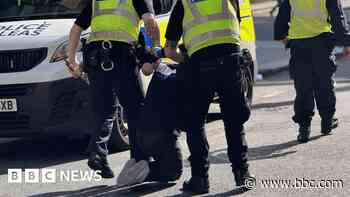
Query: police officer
point(312, 29)
point(111, 65)
point(210, 31)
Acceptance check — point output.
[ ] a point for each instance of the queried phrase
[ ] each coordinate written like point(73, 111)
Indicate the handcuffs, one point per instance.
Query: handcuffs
point(106, 64)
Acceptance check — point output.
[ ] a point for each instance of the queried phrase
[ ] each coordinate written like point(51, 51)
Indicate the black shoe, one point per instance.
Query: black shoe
point(304, 133)
point(328, 125)
point(196, 185)
point(244, 179)
point(96, 163)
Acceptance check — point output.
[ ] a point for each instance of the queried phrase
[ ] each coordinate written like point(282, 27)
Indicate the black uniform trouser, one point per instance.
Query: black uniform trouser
point(312, 67)
point(223, 77)
point(105, 87)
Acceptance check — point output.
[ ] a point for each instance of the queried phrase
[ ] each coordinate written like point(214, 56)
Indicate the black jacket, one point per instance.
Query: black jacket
point(337, 19)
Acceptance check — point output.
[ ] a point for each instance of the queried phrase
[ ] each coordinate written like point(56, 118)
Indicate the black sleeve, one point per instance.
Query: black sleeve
point(235, 4)
point(174, 30)
point(281, 25)
point(338, 20)
point(143, 6)
point(84, 19)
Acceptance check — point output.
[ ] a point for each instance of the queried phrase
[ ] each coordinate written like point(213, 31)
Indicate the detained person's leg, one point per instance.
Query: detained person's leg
point(167, 165)
point(130, 96)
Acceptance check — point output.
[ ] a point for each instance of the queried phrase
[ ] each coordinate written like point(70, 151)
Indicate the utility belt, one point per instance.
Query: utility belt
point(223, 60)
point(242, 60)
point(100, 54)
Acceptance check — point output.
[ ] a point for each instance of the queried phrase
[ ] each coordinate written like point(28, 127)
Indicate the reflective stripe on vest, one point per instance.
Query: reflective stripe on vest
point(207, 35)
point(114, 20)
point(314, 12)
point(111, 36)
point(308, 19)
point(205, 30)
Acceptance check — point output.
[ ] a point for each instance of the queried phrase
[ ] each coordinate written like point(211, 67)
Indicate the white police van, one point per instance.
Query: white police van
point(37, 93)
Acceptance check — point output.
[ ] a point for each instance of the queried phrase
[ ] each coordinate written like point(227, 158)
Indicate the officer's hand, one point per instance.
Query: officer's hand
point(346, 52)
point(169, 52)
point(151, 26)
point(284, 41)
point(148, 68)
point(73, 68)
point(173, 54)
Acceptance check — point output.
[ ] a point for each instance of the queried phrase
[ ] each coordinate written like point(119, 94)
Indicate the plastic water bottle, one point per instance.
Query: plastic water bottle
point(148, 39)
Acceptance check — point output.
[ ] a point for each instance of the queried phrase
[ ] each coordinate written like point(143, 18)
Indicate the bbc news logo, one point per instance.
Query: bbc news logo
point(52, 176)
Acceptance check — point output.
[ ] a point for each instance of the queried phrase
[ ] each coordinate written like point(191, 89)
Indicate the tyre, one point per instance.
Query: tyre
point(119, 139)
point(248, 82)
point(247, 70)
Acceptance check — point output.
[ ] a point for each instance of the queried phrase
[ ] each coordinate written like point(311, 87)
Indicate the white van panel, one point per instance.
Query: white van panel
point(19, 35)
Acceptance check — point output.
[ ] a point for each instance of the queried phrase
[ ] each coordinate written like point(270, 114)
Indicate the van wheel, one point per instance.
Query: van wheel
point(119, 139)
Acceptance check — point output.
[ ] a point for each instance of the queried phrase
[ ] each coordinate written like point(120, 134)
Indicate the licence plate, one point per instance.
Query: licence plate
point(8, 105)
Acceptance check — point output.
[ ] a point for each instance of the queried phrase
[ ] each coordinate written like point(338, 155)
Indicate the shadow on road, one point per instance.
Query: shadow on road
point(40, 152)
point(234, 192)
point(259, 153)
point(106, 191)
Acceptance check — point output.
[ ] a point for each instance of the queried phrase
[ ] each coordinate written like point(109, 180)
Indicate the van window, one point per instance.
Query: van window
point(163, 6)
point(11, 10)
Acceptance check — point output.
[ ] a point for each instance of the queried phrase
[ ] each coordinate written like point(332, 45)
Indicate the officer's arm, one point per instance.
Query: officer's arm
point(338, 21)
point(74, 39)
point(152, 28)
point(145, 9)
point(174, 32)
point(235, 4)
point(281, 25)
point(339, 25)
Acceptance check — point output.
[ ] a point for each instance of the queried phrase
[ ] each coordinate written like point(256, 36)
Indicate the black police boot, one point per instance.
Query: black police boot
point(304, 132)
point(244, 179)
point(328, 125)
point(196, 185)
point(95, 162)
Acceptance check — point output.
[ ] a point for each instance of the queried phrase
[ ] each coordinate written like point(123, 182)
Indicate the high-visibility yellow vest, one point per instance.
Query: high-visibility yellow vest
point(246, 28)
point(209, 22)
point(309, 18)
point(114, 20)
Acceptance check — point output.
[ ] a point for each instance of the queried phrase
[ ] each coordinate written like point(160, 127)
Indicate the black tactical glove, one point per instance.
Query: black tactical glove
point(143, 55)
